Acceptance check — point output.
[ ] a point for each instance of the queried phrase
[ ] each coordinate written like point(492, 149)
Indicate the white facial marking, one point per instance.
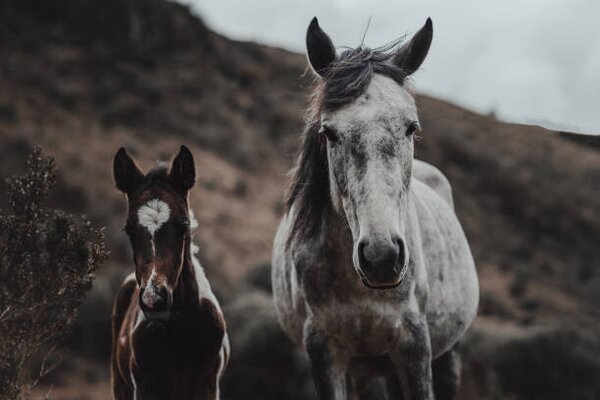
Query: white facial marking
point(193, 220)
point(153, 215)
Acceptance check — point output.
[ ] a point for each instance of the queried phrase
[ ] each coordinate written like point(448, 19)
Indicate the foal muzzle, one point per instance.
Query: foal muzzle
point(155, 302)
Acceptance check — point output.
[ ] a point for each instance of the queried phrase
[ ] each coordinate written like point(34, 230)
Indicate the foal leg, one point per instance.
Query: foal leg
point(150, 364)
point(446, 374)
point(328, 362)
point(120, 388)
point(208, 382)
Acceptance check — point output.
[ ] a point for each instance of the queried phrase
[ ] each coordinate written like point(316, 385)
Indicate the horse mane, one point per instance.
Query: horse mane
point(345, 79)
point(160, 170)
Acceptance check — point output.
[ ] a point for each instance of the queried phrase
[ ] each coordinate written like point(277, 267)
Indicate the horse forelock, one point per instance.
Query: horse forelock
point(350, 74)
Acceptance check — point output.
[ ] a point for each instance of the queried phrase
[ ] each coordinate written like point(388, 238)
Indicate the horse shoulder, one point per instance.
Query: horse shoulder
point(286, 262)
point(123, 302)
point(435, 179)
point(211, 321)
point(451, 274)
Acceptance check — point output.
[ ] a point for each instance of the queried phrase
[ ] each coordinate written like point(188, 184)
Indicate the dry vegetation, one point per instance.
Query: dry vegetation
point(47, 262)
point(526, 196)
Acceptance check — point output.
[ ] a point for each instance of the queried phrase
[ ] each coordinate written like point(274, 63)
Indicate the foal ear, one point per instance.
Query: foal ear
point(126, 173)
point(183, 171)
point(321, 52)
point(412, 54)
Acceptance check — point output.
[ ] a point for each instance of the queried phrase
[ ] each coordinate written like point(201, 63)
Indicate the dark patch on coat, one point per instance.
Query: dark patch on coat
point(359, 153)
point(387, 148)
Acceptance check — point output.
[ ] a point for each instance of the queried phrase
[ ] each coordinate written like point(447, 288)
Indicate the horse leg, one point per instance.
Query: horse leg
point(446, 374)
point(378, 388)
point(351, 389)
point(413, 360)
point(208, 383)
point(328, 362)
point(150, 364)
point(364, 388)
point(394, 388)
point(121, 388)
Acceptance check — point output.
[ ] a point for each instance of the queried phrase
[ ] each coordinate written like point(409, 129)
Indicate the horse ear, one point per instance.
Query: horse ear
point(319, 46)
point(412, 54)
point(126, 173)
point(183, 171)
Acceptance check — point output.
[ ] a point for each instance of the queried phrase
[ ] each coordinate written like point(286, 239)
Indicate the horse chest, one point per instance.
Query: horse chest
point(365, 326)
point(369, 322)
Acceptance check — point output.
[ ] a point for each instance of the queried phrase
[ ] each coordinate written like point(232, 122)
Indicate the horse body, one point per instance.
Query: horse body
point(372, 273)
point(194, 346)
point(316, 280)
point(169, 336)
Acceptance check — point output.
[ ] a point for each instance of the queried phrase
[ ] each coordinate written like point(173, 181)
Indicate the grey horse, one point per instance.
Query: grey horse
point(372, 272)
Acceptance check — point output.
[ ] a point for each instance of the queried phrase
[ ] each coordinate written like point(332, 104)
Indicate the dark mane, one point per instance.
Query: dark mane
point(158, 175)
point(158, 172)
point(350, 74)
point(345, 80)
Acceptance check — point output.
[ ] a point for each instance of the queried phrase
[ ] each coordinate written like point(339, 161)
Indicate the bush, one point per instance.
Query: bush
point(47, 262)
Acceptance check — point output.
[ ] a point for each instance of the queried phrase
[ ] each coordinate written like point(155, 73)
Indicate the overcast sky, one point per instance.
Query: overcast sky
point(530, 61)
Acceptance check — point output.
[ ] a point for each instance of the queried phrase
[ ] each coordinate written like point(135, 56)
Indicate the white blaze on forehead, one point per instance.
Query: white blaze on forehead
point(153, 215)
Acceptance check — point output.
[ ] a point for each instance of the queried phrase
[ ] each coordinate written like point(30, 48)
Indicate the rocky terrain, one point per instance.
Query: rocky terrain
point(156, 77)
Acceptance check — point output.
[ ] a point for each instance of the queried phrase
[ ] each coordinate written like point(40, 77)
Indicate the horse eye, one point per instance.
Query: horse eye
point(329, 133)
point(412, 128)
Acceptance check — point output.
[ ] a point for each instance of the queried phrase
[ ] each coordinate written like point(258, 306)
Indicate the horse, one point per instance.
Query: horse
point(169, 339)
point(372, 273)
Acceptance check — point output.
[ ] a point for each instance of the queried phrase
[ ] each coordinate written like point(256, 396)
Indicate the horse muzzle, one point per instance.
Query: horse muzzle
point(382, 266)
point(155, 302)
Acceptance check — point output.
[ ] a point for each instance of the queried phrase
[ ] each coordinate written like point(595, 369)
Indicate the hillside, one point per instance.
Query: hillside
point(157, 77)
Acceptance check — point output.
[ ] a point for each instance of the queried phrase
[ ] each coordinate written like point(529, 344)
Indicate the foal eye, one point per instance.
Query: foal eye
point(412, 128)
point(329, 133)
point(183, 225)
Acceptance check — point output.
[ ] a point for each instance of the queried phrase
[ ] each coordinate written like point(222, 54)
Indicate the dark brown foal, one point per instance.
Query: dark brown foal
point(169, 336)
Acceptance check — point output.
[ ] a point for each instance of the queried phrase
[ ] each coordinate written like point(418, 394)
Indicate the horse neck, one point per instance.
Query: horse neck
point(186, 292)
point(336, 231)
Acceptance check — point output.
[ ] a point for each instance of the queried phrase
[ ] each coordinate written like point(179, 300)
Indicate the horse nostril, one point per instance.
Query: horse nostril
point(141, 298)
point(401, 248)
point(162, 300)
point(361, 252)
point(154, 299)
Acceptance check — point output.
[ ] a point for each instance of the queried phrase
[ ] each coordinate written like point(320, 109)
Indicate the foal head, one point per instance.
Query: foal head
point(157, 225)
point(362, 127)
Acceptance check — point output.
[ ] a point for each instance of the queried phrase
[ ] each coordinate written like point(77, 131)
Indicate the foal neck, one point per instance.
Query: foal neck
point(186, 292)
